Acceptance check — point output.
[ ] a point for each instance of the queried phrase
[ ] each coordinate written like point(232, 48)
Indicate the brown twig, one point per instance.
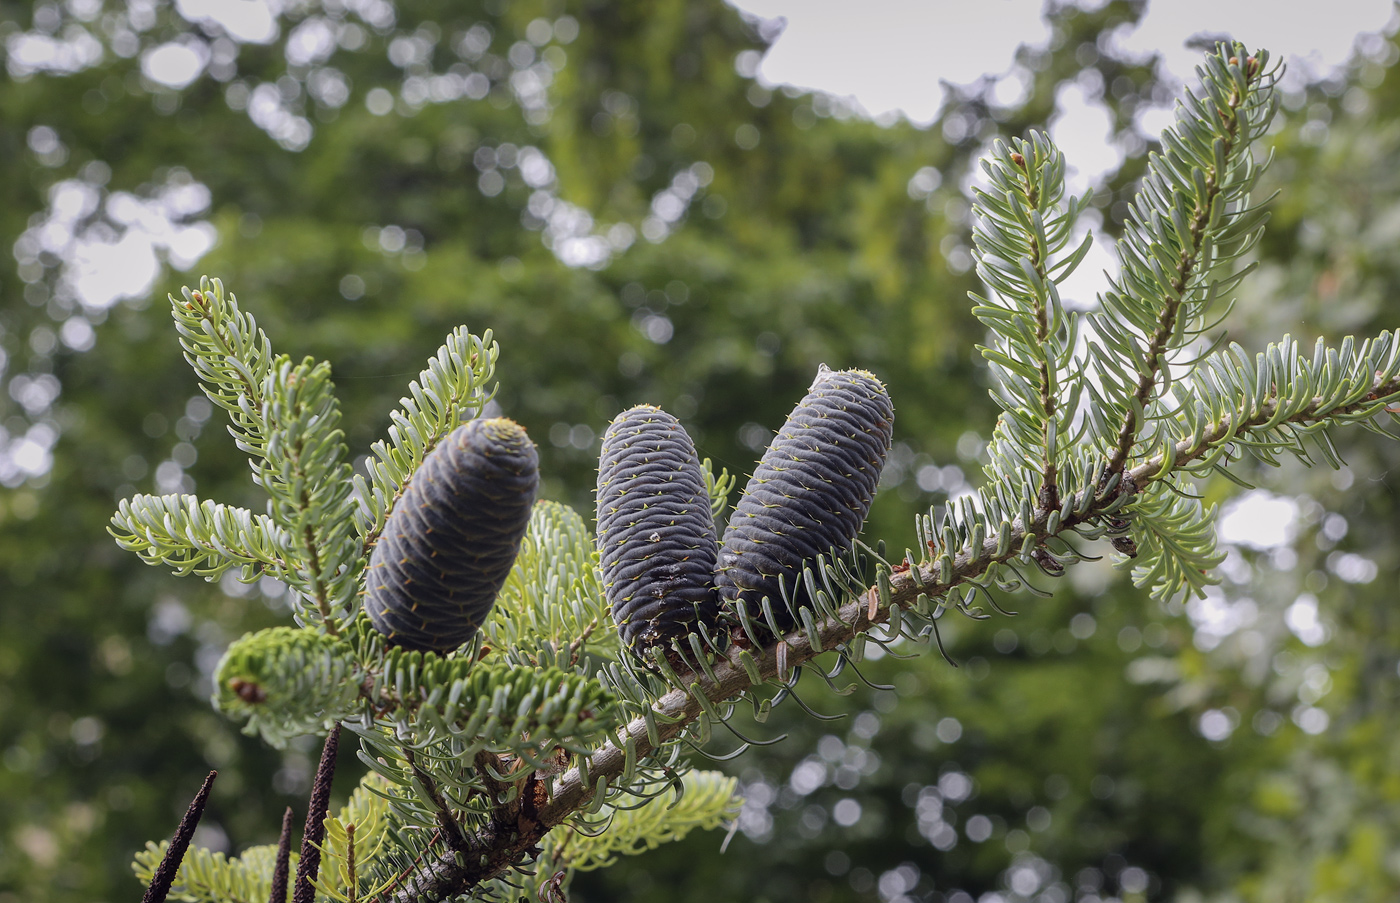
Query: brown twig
point(582, 638)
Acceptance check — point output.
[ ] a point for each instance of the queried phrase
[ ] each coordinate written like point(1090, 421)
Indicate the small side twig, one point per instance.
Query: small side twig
point(159, 887)
point(582, 638)
point(315, 831)
point(450, 828)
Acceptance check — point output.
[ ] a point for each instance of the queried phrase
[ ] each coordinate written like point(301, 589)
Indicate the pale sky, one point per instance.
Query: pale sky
point(892, 57)
point(893, 54)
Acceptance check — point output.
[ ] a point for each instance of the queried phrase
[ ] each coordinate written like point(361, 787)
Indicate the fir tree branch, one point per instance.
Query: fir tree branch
point(1049, 488)
point(200, 537)
point(285, 417)
point(230, 354)
point(305, 474)
point(1022, 239)
point(288, 682)
point(551, 608)
point(1319, 412)
point(1174, 287)
point(456, 385)
point(492, 850)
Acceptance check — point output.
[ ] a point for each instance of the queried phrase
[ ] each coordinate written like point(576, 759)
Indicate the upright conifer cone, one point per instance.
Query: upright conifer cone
point(453, 536)
point(656, 533)
point(810, 493)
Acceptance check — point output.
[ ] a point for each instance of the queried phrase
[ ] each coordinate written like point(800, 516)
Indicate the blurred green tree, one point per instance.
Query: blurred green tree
point(606, 187)
point(375, 177)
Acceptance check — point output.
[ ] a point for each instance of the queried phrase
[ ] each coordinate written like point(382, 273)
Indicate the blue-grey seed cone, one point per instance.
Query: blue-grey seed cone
point(656, 533)
point(810, 493)
point(453, 536)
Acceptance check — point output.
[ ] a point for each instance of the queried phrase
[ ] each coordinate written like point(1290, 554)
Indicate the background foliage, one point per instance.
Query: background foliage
point(1098, 744)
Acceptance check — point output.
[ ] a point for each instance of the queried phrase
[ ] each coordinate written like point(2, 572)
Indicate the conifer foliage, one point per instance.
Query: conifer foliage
point(503, 759)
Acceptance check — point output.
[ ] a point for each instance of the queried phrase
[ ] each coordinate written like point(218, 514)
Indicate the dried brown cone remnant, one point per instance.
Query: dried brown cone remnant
point(656, 533)
point(314, 834)
point(159, 887)
point(810, 493)
point(453, 536)
point(280, 867)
